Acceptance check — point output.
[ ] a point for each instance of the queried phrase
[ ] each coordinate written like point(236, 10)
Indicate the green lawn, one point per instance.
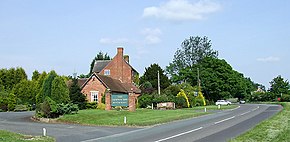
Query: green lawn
point(142, 117)
point(275, 129)
point(6, 136)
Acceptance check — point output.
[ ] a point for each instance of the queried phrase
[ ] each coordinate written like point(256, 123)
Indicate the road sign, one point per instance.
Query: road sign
point(120, 99)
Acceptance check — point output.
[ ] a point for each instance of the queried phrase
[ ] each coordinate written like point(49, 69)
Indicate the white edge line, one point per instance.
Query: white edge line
point(224, 120)
point(179, 134)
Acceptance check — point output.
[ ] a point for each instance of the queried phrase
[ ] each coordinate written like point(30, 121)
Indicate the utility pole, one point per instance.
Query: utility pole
point(198, 80)
point(158, 83)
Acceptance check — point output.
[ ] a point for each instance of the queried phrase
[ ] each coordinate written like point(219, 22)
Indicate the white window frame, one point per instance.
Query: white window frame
point(94, 96)
point(107, 72)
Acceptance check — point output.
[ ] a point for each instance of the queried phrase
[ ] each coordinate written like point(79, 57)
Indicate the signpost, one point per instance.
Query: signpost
point(119, 99)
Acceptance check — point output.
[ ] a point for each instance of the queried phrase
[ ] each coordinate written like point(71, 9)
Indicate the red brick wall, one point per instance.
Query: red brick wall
point(119, 69)
point(94, 85)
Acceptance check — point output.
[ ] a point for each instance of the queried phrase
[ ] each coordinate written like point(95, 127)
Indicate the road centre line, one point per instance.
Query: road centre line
point(224, 120)
point(179, 134)
point(245, 113)
point(115, 135)
point(256, 108)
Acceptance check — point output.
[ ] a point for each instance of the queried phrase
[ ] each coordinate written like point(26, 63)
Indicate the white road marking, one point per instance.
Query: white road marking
point(256, 108)
point(179, 134)
point(225, 120)
point(234, 108)
point(115, 135)
point(245, 113)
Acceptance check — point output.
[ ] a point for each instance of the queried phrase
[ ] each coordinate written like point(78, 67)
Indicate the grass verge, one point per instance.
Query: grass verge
point(275, 129)
point(6, 136)
point(141, 117)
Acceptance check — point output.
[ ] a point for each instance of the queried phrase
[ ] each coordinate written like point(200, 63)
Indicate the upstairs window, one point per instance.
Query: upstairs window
point(107, 72)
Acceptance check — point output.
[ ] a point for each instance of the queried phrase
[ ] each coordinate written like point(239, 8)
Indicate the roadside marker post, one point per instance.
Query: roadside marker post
point(219, 106)
point(125, 120)
point(44, 131)
point(205, 109)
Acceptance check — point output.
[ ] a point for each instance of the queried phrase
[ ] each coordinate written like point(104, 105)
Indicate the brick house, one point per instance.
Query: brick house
point(111, 77)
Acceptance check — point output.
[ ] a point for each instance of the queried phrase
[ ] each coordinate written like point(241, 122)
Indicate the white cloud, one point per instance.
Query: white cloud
point(182, 10)
point(151, 35)
point(269, 59)
point(113, 41)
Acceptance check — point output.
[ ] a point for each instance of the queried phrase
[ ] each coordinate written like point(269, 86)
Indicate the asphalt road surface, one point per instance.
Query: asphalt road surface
point(218, 127)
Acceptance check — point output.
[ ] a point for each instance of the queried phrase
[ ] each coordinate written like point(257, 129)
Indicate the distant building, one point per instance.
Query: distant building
point(111, 77)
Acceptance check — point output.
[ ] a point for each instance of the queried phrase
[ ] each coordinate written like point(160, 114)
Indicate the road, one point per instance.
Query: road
point(219, 127)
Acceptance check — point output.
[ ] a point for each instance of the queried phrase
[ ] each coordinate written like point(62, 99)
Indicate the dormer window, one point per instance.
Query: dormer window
point(107, 72)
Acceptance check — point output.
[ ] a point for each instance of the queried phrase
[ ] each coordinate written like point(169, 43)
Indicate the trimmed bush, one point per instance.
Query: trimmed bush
point(91, 105)
point(101, 106)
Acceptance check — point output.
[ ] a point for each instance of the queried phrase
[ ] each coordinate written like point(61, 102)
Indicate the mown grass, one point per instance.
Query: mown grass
point(275, 129)
point(141, 117)
point(6, 136)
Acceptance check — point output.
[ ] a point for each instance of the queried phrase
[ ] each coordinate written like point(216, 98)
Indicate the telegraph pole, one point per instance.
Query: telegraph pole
point(198, 80)
point(158, 76)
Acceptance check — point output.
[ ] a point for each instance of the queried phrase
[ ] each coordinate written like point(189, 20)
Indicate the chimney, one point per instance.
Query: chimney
point(120, 51)
point(126, 58)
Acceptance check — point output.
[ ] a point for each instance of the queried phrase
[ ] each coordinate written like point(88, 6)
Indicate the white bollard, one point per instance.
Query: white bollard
point(219, 106)
point(152, 106)
point(205, 109)
point(125, 120)
point(44, 131)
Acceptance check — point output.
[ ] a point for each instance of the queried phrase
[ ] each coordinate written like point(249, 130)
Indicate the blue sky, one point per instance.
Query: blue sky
point(252, 36)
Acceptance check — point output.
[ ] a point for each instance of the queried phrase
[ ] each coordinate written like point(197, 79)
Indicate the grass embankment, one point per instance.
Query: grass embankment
point(6, 136)
point(141, 117)
point(275, 129)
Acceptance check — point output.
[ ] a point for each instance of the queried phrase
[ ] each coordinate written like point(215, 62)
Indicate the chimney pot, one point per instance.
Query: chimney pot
point(120, 50)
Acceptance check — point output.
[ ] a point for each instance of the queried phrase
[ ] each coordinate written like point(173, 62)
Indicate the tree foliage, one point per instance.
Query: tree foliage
point(279, 85)
point(59, 90)
point(75, 94)
point(25, 92)
point(192, 51)
point(151, 75)
point(218, 79)
point(46, 87)
point(9, 78)
point(7, 101)
point(35, 75)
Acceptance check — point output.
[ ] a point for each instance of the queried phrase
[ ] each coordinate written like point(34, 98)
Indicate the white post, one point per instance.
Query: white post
point(174, 105)
point(152, 106)
point(44, 131)
point(125, 120)
point(219, 106)
point(205, 109)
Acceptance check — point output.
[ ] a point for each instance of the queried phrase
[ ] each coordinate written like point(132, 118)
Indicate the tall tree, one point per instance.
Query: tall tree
point(220, 81)
point(192, 51)
point(25, 92)
point(279, 86)
point(46, 87)
point(99, 56)
point(59, 90)
point(151, 75)
point(75, 94)
point(9, 78)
